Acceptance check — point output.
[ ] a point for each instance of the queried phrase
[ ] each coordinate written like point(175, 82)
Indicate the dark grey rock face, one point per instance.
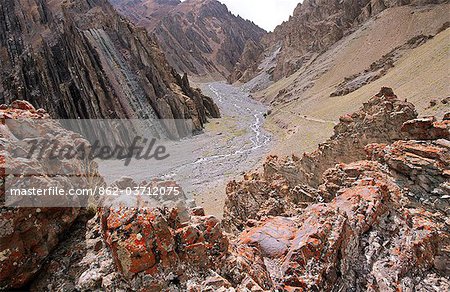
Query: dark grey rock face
point(80, 59)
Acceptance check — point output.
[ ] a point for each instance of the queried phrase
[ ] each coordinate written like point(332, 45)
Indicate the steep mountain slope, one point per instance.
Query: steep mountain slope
point(396, 48)
point(147, 13)
point(315, 26)
point(80, 59)
point(200, 37)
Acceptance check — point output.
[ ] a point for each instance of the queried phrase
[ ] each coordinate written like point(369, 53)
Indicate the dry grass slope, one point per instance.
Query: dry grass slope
point(420, 75)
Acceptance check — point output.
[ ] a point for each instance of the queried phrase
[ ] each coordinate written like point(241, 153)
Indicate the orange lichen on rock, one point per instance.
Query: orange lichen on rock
point(371, 224)
point(28, 235)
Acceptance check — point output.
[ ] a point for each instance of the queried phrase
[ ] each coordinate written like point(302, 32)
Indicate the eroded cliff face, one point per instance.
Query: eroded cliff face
point(313, 28)
point(80, 59)
point(248, 64)
point(198, 37)
point(147, 13)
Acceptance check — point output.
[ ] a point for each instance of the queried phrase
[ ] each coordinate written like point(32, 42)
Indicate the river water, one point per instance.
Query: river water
point(229, 146)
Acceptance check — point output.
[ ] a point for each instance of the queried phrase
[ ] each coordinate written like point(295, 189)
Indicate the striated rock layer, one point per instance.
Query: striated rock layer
point(199, 37)
point(80, 59)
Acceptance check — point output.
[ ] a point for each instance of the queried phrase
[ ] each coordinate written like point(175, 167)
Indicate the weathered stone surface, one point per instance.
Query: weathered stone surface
point(165, 249)
point(28, 235)
point(82, 262)
point(259, 196)
point(22, 105)
point(272, 237)
point(367, 237)
point(421, 167)
point(427, 128)
point(150, 245)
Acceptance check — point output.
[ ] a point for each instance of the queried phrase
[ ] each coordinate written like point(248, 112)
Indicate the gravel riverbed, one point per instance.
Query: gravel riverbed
point(205, 163)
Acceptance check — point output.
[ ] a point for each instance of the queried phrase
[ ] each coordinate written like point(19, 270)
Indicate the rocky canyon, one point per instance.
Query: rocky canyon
point(202, 38)
point(81, 60)
point(318, 158)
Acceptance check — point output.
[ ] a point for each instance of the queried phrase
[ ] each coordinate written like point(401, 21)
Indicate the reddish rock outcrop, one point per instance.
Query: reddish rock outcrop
point(259, 196)
point(427, 129)
point(378, 121)
point(421, 167)
point(200, 37)
point(28, 235)
point(150, 245)
point(158, 249)
point(282, 187)
point(370, 236)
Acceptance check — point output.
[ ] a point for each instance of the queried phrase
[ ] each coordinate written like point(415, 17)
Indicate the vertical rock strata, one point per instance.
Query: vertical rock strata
point(80, 59)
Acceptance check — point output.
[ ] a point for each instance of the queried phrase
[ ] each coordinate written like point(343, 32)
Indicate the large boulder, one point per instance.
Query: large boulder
point(160, 248)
